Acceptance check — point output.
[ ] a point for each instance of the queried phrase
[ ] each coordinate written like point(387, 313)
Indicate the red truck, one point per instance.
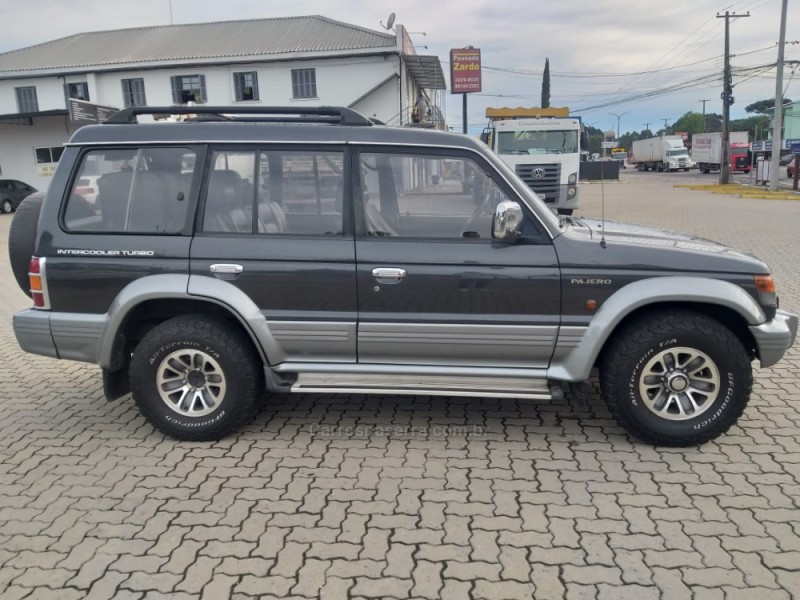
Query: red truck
point(707, 151)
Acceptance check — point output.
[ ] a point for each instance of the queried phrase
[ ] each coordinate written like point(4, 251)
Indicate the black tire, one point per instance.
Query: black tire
point(231, 367)
point(636, 351)
point(22, 238)
point(6, 206)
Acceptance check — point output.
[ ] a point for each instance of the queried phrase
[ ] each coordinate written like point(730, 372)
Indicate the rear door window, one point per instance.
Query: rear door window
point(136, 190)
point(275, 192)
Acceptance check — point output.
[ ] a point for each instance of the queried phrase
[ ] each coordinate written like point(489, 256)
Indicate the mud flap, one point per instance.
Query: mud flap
point(115, 384)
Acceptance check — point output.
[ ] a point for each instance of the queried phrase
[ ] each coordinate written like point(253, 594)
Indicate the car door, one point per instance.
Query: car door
point(273, 226)
point(434, 288)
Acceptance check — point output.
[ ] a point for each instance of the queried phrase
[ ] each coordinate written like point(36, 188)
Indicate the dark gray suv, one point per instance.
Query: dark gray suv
point(312, 250)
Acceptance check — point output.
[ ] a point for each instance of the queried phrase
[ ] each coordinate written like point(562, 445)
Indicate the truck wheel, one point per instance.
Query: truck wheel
point(676, 378)
point(196, 378)
point(22, 238)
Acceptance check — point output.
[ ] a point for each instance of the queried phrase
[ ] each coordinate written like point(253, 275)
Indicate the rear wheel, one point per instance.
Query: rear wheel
point(7, 206)
point(195, 377)
point(676, 378)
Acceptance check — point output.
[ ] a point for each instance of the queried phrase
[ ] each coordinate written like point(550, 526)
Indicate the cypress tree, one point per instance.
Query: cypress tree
point(546, 84)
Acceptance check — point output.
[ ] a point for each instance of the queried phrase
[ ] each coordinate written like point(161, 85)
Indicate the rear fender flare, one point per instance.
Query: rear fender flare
point(156, 287)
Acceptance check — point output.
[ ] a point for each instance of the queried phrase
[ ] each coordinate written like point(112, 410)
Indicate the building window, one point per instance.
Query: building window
point(246, 86)
point(48, 155)
point(304, 83)
point(27, 102)
point(189, 88)
point(133, 92)
point(78, 91)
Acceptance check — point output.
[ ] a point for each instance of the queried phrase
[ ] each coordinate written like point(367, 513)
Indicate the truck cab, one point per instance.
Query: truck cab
point(543, 147)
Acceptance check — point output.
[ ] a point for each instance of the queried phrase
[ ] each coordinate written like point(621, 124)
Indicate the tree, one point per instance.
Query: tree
point(756, 126)
point(546, 84)
point(764, 106)
point(691, 122)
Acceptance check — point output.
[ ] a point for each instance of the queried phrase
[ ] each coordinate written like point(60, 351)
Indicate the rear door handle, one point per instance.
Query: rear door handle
point(226, 269)
point(388, 274)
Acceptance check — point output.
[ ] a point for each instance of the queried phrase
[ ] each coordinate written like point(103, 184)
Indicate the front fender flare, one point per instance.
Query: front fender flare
point(577, 364)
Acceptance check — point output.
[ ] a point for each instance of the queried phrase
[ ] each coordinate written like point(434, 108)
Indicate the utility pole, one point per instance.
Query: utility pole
point(647, 127)
point(666, 122)
point(777, 138)
point(704, 114)
point(618, 118)
point(727, 100)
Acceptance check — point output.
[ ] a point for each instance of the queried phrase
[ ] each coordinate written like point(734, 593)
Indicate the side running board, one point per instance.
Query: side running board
point(434, 385)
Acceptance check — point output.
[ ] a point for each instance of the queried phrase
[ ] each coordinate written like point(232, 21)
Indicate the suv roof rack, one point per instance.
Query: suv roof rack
point(334, 115)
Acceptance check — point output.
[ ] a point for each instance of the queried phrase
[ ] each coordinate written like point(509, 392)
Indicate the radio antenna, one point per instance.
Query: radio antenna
point(602, 206)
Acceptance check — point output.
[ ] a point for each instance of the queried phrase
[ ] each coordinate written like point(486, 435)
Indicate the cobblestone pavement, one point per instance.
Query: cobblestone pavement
point(412, 496)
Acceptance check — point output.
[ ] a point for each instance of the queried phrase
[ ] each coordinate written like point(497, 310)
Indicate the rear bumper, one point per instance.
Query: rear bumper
point(60, 335)
point(775, 337)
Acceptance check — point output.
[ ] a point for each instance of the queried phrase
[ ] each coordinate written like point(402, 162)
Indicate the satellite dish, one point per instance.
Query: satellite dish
point(389, 22)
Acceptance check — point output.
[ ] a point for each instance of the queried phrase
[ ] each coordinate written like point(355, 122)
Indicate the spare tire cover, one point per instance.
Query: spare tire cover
point(22, 238)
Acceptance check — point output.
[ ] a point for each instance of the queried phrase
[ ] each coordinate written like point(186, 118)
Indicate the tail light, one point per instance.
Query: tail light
point(38, 283)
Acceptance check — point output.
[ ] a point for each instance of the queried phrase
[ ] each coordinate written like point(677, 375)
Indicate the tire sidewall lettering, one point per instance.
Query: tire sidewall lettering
point(177, 345)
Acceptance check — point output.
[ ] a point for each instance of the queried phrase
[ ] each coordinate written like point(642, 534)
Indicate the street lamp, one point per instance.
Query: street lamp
point(618, 118)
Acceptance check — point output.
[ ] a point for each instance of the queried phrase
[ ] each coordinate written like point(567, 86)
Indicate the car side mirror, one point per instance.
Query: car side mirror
point(486, 137)
point(507, 222)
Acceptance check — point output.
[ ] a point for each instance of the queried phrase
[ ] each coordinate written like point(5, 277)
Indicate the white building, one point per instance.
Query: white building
point(302, 61)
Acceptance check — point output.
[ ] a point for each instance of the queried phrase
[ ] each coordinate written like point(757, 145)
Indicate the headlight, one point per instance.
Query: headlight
point(573, 177)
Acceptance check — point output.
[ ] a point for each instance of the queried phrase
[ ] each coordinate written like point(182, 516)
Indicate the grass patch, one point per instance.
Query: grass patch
point(743, 191)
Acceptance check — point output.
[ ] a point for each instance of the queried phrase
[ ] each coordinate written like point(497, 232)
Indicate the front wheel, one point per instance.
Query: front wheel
point(676, 378)
point(194, 377)
point(7, 206)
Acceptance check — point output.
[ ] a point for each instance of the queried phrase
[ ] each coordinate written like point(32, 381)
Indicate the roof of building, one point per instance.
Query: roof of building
point(213, 42)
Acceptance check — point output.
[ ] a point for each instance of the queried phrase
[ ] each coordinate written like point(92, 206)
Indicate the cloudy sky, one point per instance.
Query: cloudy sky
point(646, 61)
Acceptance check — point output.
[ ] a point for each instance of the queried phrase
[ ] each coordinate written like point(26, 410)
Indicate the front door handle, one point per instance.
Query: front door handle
point(388, 274)
point(226, 269)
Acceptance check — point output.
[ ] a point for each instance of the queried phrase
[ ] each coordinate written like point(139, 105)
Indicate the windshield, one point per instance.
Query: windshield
point(537, 142)
point(619, 156)
point(679, 152)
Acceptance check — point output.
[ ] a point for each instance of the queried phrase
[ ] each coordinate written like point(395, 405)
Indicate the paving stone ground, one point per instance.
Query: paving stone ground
point(401, 497)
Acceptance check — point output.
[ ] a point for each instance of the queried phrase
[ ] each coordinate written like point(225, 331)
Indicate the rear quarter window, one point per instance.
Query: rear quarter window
point(136, 190)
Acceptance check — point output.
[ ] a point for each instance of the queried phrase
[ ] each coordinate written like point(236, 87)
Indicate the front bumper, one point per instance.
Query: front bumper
point(775, 337)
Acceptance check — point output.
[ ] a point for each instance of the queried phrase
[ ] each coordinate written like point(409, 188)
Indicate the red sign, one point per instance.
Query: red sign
point(465, 70)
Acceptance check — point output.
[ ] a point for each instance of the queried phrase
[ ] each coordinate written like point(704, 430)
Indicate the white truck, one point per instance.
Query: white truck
point(707, 151)
point(665, 153)
point(542, 145)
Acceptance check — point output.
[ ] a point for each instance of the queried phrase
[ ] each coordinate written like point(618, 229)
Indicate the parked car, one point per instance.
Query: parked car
point(786, 159)
point(86, 187)
point(12, 192)
point(326, 253)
